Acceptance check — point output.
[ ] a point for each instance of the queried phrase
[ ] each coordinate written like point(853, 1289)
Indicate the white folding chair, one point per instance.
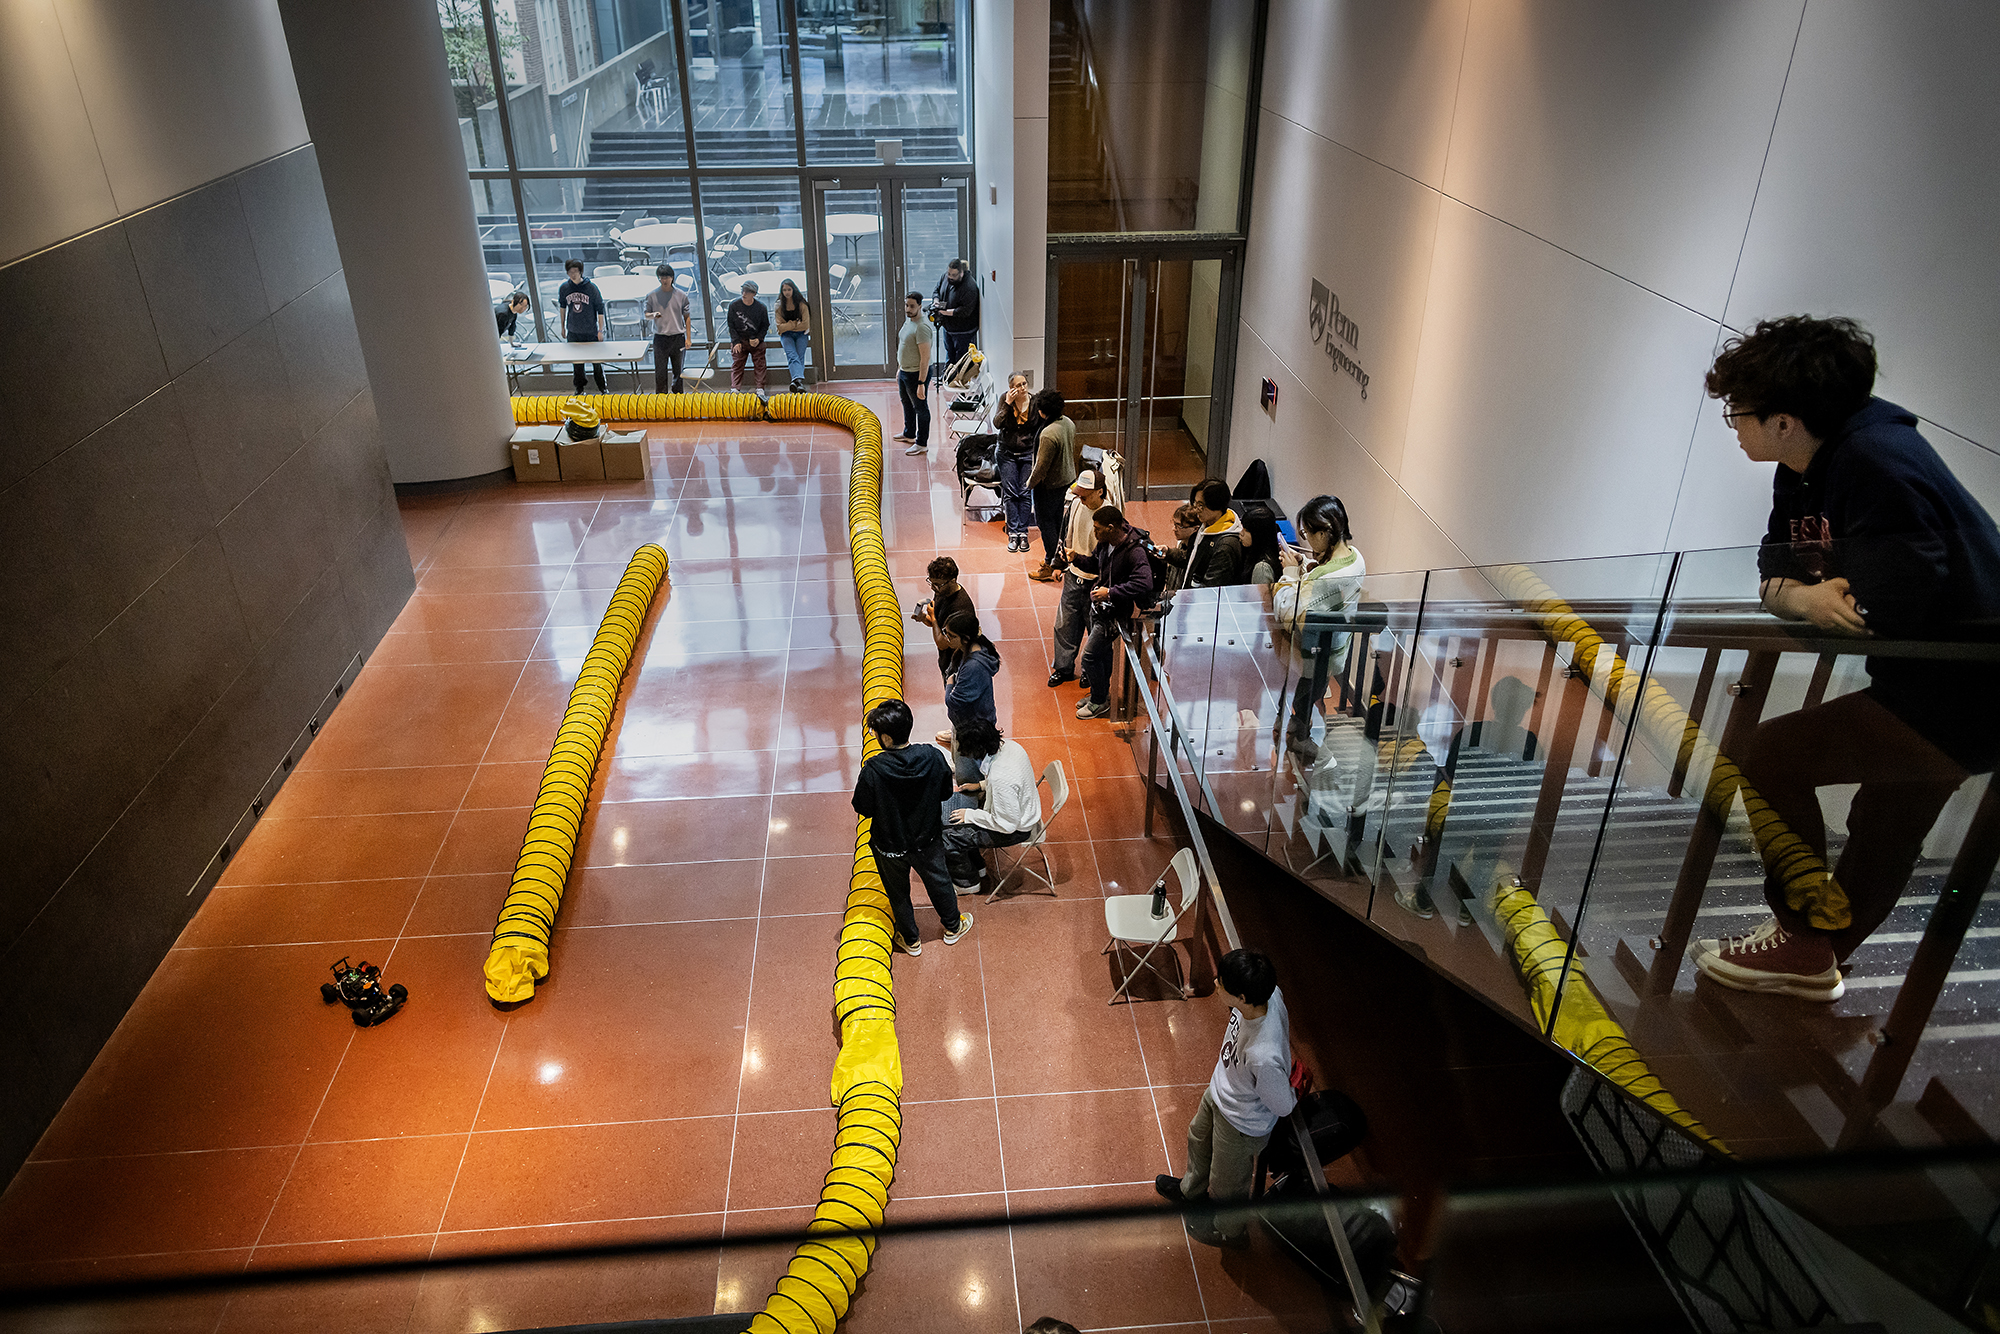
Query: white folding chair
point(608, 271)
point(1058, 798)
point(1130, 921)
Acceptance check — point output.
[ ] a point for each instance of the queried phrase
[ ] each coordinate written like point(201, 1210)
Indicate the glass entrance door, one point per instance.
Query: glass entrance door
point(1135, 360)
point(880, 239)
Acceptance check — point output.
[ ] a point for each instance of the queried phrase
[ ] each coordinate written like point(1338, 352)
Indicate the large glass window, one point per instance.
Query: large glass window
point(884, 71)
point(608, 97)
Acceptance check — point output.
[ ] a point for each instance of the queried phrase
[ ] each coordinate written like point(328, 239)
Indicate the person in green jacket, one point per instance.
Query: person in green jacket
point(1055, 469)
point(913, 351)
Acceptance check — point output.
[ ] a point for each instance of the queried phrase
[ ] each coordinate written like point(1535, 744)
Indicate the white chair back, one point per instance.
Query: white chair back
point(1184, 869)
point(607, 271)
point(1058, 791)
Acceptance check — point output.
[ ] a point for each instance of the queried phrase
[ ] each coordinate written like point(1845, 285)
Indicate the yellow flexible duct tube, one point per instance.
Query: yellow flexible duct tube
point(817, 1287)
point(1809, 888)
point(1582, 1024)
point(520, 954)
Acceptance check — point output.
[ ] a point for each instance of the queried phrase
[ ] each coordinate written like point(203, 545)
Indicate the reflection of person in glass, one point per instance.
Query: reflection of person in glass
point(1870, 535)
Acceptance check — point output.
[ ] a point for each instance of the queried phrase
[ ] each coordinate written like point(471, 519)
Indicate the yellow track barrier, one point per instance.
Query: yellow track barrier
point(520, 954)
point(818, 1286)
point(1809, 888)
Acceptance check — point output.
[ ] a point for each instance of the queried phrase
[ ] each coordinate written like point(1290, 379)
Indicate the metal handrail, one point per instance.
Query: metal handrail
point(1357, 1288)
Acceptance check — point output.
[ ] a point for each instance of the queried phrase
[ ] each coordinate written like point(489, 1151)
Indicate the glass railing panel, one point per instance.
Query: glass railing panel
point(1185, 633)
point(1499, 761)
point(1764, 743)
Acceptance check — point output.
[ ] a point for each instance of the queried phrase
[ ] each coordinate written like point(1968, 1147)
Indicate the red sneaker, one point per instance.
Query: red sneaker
point(1778, 964)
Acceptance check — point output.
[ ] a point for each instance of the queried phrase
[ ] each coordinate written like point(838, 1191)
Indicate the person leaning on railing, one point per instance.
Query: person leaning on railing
point(1326, 584)
point(1124, 585)
point(1870, 535)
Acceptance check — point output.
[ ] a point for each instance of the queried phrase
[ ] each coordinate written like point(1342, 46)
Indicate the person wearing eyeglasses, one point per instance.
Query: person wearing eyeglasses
point(948, 599)
point(1870, 536)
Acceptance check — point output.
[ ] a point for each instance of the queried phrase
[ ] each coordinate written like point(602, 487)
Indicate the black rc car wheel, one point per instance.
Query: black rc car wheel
point(329, 992)
point(399, 993)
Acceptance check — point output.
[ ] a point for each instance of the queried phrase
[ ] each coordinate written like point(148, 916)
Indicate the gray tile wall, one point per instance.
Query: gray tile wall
point(200, 534)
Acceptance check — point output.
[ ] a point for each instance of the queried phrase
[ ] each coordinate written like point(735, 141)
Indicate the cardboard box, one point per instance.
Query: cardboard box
point(626, 456)
point(582, 460)
point(535, 461)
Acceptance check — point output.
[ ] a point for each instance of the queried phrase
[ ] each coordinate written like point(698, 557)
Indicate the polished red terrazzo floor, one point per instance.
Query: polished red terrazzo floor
point(670, 1078)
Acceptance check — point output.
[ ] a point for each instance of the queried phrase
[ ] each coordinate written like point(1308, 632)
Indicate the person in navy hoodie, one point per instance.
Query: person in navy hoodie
point(1872, 536)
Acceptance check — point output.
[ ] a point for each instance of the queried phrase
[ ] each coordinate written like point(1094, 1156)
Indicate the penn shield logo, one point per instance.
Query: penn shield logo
point(1335, 334)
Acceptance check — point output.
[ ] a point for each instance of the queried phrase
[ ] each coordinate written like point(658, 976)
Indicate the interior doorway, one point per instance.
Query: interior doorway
point(878, 238)
point(1142, 352)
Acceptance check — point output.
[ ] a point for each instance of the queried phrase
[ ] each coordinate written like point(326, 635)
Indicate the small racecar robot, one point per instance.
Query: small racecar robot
point(360, 986)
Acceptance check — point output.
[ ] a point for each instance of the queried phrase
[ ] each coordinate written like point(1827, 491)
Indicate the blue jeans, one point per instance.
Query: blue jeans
point(795, 353)
point(1015, 469)
point(916, 410)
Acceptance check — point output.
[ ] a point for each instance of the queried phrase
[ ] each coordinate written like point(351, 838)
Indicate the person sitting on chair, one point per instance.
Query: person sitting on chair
point(1000, 808)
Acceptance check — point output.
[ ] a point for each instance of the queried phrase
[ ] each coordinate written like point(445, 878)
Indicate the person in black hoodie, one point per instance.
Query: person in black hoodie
point(1870, 535)
point(583, 317)
point(1124, 584)
point(749, 326)
point(902, 791)
point(957, 297)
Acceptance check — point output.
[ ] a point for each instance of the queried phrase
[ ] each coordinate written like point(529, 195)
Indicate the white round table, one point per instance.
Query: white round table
point(773, 239)
point(659, 234)
point(767, 281)
point(852, 224)
point(634, 286)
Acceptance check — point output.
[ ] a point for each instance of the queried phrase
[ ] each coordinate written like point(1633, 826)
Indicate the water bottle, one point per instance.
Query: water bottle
point(1160, 899)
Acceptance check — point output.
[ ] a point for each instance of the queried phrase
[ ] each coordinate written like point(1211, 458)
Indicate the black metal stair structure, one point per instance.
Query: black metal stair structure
point(738, 148)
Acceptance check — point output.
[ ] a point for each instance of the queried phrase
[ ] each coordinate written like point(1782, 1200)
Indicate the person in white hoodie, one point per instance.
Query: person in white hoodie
point(1248, 1094)
point(1001, 808)
point(1328, 585)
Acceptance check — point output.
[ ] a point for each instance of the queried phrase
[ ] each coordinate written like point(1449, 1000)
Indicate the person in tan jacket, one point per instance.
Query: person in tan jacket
point(1055, 469)
point(794, 323)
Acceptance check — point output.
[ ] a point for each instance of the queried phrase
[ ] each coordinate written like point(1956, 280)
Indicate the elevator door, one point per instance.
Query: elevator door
point(1135, 361)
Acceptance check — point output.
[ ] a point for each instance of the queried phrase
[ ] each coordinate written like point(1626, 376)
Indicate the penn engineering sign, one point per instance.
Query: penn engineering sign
point(1335, 334)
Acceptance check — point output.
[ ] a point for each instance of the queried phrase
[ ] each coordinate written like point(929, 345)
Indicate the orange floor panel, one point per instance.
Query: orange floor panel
point(670, 1077)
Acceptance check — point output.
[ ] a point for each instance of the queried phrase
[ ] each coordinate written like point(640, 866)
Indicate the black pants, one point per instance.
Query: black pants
point(916, 407)
point(964, 844)
point(955, 344)
point(1049, 518)
point(929, 865)
point(1102, 642)
point(596, 369)
point(1905, 781)
point(669, 352)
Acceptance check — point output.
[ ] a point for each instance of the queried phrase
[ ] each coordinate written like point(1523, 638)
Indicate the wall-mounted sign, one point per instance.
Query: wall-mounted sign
point(1335, 334)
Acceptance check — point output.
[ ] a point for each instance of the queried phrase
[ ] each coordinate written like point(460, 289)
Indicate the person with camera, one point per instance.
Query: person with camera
point(948, 599)
point(957, 308)
point(1020, 433)
point(1327, 584)
point(1090, 493)
point(1124, 584)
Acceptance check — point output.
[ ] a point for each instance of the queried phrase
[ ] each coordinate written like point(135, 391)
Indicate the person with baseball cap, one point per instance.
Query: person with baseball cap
point(749, 326)
point(1087, 495)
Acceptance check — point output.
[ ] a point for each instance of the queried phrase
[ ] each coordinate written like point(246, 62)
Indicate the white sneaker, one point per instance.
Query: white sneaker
point(917, 449)
point(902, 439)
point(910, 947)
point(964, 925)
point(1765, 930)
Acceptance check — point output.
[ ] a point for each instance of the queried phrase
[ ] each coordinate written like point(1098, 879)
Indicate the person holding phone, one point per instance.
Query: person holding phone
point(1327, 583)
point(1020, 436)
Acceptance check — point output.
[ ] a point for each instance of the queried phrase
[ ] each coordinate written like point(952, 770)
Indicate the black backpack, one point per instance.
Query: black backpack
point(1156, 559)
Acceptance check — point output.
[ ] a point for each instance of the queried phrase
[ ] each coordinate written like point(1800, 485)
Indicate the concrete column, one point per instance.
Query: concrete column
point(372, 80)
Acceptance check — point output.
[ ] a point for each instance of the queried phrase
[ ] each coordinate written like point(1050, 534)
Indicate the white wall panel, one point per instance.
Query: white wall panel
point(1326, 214)
point(1881, 199)
point(1309, 454)
point(1631, 134)
point(56, 187)
point(993, 71)
point(182, 94)
point(1553, 401)
point(1377, 77)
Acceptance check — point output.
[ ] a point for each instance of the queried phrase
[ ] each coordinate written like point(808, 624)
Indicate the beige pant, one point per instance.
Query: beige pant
point(1219, 1160)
